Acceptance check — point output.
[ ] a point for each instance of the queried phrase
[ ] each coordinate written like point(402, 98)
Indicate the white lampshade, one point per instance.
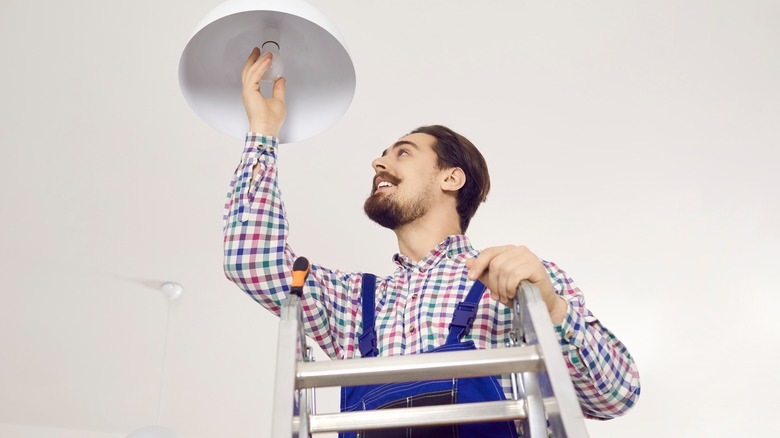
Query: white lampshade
point(318, 69)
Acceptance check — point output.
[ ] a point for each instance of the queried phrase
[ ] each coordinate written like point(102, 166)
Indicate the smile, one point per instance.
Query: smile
point(383, 187)
point(383, 182)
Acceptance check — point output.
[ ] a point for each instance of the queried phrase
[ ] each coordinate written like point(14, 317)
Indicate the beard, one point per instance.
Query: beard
point(389, 211)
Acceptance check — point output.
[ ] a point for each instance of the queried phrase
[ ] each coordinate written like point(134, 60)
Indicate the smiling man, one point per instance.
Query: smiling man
point(426, 189)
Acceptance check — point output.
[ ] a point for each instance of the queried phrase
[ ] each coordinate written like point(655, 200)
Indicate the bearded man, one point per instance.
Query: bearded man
point(426, 189)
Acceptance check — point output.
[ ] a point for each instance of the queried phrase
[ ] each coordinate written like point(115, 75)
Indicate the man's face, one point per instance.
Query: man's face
point(404, 183)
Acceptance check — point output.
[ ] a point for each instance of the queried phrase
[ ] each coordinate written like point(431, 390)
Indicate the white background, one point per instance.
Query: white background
point(632, 142)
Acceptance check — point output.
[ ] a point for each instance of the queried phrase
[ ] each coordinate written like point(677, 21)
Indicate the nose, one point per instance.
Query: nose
point(379, 164)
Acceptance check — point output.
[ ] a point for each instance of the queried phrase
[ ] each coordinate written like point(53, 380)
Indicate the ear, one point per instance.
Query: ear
point(453, 179)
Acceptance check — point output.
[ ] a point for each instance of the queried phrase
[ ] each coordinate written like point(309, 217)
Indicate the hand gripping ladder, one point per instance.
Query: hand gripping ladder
point(542, 388)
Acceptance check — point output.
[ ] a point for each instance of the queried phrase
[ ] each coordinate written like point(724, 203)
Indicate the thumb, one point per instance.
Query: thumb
point(278, 92)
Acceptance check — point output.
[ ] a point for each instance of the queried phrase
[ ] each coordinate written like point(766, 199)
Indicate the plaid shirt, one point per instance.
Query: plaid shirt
point(415, 304)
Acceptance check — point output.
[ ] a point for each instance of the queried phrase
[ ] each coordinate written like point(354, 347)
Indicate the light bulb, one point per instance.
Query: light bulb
point(271, 44)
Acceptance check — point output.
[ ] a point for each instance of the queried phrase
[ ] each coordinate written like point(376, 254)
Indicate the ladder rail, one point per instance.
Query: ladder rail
point(560, 399)
point(288, 354)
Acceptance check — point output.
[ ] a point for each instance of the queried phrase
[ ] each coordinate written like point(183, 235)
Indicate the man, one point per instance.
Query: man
point(427, 187)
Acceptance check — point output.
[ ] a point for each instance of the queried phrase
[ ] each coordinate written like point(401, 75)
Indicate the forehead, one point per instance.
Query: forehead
point(423, 142)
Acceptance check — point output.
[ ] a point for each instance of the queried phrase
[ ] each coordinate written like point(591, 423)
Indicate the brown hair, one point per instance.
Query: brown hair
point(455, 150)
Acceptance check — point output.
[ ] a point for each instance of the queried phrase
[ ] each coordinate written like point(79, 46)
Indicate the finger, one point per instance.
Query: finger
point(255, 73)
point(258, 64)
point(529, 269)
point(504, 267)
point(257, 69)
point(279, 87)
point(516, 273)
point(249, 62)
point(479, 264)
point(492, 280)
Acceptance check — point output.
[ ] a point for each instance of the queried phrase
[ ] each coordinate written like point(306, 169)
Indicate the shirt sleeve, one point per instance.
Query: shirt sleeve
point(258, 259)
point(604, 374)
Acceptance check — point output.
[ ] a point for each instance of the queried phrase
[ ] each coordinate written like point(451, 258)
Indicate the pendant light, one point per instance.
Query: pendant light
point(320, 76)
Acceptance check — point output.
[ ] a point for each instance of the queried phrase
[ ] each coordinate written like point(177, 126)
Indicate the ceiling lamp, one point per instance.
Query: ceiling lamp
point(316, 65)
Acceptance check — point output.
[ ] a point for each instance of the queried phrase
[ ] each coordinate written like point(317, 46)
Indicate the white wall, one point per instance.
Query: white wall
point(632, 142)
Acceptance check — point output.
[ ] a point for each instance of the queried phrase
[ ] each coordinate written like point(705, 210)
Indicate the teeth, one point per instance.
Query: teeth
point(384, 184)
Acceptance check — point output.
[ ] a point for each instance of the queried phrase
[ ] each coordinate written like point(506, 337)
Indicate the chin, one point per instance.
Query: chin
point(384, 213)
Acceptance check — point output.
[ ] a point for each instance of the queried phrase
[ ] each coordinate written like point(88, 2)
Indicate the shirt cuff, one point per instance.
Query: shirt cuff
point(570, 330)
point(571, 335)
point(258, 149)
point(256, 141)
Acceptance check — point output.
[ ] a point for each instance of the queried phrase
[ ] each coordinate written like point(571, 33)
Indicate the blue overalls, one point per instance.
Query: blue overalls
point(436, 392)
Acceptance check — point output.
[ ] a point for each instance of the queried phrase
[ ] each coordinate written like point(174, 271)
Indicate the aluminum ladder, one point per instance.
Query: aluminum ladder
point(542, 388)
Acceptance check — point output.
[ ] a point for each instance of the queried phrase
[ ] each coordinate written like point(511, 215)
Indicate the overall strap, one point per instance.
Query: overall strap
point(367, 340)
point(465, 313)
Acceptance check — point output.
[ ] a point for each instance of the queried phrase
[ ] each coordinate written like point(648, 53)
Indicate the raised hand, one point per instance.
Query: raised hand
point(265, 115)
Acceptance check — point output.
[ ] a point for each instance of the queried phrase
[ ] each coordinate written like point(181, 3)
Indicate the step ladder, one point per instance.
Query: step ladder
point(541, 387)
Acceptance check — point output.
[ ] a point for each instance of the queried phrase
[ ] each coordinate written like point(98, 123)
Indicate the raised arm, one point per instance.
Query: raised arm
point(256, 255)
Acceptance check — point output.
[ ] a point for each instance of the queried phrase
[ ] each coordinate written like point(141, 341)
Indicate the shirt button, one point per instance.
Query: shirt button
point(414, 297)
point(422, 270)
point(411, 329)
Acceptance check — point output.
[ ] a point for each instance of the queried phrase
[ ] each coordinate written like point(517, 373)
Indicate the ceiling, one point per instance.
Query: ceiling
point(634, 143)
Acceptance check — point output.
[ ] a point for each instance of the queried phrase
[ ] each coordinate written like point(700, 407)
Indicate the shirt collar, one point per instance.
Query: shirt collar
point(452, 246)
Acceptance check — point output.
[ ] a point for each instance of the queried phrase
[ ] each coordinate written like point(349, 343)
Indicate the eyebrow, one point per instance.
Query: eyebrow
point(399, 144)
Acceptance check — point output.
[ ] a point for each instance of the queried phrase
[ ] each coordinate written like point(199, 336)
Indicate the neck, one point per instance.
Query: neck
point(417, 239)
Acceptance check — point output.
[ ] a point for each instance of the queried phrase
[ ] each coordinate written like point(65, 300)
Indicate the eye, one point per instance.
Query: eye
point(402, 152)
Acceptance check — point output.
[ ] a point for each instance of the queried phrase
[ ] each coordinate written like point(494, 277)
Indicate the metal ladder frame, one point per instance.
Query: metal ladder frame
point(542, 388)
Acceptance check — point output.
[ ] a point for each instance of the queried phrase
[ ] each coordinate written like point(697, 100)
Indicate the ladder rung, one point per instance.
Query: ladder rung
point(420, 416)
point(433, 366)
